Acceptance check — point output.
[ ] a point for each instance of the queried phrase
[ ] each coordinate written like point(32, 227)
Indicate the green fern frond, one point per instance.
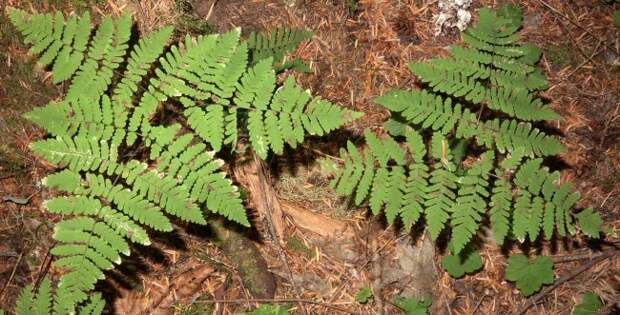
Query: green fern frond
point(470, 203)
point(352, 173)
point(117, 87)
point(541, 203)
point(464, 80)
point(275, 44)
point(500, 71)
point(164, 191)
point(81, 118)
point(417, 182)
point(79, 153)
point(212, 103)
point(286, 117)
point(496, 73)
point(590, 222)
point(501, 206)
point(541, 206)
point(139, 61)
point(61, 43)
point(440, 196)
point(415, 192)
point(431, 111)
point(511, 135)
point(204, 70)
point(94, 237)
point(395, 194)
point(23, 306)
point(45, 302)
point(128, 201)
point(397, 189)
point(195, 169)
point(104, 56)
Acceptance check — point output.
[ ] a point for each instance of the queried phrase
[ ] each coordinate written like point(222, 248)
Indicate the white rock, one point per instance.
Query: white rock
point(452, 13)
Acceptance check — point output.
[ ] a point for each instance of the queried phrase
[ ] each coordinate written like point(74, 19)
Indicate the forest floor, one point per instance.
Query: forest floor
point(359, 51)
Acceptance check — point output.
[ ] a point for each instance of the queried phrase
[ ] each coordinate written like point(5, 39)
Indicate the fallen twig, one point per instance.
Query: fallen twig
point(16, 200)
point(571, 258)
point(535, 299)
point(6, 285)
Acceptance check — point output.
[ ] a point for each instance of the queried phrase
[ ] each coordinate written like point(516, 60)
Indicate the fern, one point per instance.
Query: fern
point(482, 98)
point(226, 88)
point(276, 44)
point(61, 44)
point(44, 301)
point(432, 111)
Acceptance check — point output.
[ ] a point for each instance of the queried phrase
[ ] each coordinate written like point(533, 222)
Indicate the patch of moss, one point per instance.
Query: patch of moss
point(353, 8)
point(559, 56)
point(611, 181)
point(195, 308)
point(189, 22)
point(296, 245)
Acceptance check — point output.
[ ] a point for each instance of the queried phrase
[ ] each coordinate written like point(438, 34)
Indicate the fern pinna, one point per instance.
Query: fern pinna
point(483, 96)
point(116, 90)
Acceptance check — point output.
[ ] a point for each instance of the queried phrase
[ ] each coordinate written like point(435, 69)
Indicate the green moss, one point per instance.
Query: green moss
point(247, 260)
point(611, 181)
point(195, 309)
point(559, 56)
point(189, 23)
point(296, 245)
point(353, 7)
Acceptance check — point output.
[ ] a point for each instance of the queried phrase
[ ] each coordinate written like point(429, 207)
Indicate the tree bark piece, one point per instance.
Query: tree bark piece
point(317, 223)
point(254, 176)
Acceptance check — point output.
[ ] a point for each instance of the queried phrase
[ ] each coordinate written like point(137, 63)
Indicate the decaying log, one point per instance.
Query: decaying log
point(247, 260)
